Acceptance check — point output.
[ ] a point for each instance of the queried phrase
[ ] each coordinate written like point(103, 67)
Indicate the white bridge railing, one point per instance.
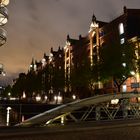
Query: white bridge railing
point(94, 108)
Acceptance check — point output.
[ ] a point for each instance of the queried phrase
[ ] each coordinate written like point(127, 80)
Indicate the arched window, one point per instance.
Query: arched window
point(121, 28)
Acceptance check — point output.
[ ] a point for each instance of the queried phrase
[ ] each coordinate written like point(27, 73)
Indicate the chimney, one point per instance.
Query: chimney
point(51, 49)
point(80, 37)
point(68, 37)
point(125, 9)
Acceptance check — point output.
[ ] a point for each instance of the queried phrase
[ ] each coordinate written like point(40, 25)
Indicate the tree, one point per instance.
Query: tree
point(32, 83)
point(19, 85)
point(46, 81)
point(7, 90)
point(116, 61)
point(81, 76)
point(58, 79)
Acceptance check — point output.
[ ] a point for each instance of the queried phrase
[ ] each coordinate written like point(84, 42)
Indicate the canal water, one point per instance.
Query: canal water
point(13, 113)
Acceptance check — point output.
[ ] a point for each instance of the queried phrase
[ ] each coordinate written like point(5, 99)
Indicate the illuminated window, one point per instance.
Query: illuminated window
point(43, 61)
point(115, 101)
point(122, 41)
point(51, 57)
point(124, 64)
point(124, 88)
point(121, 28)
point(35, 67)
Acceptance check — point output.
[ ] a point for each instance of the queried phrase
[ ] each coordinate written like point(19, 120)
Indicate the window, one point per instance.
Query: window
point(101, 33)
point(60, 55)
point(121, 28)
point(124, 88)
point(43, 62)
point(122, 41)
point(124, 64)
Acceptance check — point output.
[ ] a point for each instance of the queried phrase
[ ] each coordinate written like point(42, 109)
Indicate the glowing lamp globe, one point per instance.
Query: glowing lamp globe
point(4, 2)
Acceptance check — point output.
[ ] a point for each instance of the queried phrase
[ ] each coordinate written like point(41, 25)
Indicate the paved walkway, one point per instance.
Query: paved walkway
point(119, 130)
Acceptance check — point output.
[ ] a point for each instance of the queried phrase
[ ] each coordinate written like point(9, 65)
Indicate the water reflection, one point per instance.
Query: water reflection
point(8, 115)
point(2, 117)
point(11, 114)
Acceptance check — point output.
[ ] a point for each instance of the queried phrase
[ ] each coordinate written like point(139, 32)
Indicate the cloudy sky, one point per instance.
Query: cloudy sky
point(37, 25)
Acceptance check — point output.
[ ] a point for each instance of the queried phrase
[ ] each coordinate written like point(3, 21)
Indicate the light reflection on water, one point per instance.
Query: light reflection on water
point(19, 112)
point(8, 116)
point(2, 117)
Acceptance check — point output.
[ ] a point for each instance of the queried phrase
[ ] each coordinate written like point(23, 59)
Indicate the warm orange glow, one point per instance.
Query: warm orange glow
point(4, 2)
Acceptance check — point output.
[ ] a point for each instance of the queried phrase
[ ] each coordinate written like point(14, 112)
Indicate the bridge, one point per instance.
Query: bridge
point(94, 118)
point(96, 108)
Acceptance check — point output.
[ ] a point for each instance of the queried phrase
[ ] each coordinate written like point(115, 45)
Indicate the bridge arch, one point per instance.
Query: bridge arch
point(64, 110)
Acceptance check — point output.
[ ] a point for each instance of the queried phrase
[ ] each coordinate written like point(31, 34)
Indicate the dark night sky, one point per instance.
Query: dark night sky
point(37, 25)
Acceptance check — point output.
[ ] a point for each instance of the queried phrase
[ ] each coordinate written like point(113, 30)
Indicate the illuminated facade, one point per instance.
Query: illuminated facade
point(122, 29)
point(56, 69)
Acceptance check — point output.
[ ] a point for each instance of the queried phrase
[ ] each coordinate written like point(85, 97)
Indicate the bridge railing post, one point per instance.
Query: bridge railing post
point(63, 120)
point(125, 108)
point(98, 113)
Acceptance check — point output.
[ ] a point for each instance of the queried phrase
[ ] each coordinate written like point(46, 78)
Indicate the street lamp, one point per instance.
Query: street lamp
point(132, 73)
point(38, 98)
point(73, 97)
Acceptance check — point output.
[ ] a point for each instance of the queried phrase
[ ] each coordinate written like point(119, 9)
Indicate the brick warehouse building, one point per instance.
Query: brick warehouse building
point(85, 51)
point(123, 28)
point(49, 73)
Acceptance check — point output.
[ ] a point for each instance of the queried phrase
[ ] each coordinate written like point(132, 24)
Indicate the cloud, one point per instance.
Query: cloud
point(37, 25)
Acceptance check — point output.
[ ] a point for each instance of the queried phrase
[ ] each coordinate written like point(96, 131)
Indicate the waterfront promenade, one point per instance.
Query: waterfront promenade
point(116, 130)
